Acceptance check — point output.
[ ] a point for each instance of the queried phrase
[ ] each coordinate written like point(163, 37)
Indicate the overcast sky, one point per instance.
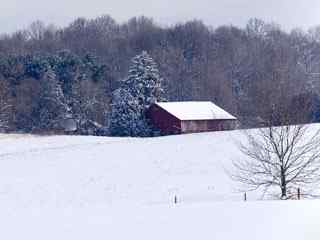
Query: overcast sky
point(17, 14)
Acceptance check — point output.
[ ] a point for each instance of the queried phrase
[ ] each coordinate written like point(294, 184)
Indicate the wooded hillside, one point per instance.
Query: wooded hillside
point(254, 72)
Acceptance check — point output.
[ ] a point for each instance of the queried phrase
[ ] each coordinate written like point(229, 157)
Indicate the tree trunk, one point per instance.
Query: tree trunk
point(283, 185)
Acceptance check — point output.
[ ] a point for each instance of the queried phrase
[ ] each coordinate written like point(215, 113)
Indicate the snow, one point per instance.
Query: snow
point(195, 110)
point(68, 187)
point(247, 221)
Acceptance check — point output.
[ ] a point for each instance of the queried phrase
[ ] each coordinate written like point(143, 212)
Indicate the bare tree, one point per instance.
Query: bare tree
point(5, 106)
point(279, 160)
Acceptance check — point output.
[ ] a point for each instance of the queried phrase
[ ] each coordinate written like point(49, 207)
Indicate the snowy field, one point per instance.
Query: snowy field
point(67, 187)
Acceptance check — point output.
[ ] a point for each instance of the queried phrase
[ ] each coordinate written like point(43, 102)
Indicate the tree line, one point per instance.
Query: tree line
point(255, 72)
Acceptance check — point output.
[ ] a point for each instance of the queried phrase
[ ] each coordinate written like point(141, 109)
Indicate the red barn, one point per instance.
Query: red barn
point(190, 117)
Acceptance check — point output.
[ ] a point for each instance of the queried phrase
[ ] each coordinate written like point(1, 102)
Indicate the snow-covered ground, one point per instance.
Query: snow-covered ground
point(228, 221)
point(67, 187)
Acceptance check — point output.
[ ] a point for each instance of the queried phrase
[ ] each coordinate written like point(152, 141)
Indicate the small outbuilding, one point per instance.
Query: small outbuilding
point(190, 117)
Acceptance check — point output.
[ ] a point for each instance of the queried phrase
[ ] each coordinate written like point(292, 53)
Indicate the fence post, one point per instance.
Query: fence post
point(175, 199)
point(299, 194)
point(245, 196)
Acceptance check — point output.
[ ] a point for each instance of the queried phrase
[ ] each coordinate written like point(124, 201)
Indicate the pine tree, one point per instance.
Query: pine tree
point(53, 105)
point(77, 100)
point(83, 103)
point(144, 81)
point(142, 88)
point(124, 115)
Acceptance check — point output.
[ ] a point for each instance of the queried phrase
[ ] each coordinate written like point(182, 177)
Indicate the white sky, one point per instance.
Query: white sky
point(17, 14)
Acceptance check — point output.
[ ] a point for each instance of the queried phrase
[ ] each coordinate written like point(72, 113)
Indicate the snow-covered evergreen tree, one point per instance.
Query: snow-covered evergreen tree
point(83, 100)
point(53, 105)
point(142, 88)
point(124, 115)
point(77, 101)
point(144, 81)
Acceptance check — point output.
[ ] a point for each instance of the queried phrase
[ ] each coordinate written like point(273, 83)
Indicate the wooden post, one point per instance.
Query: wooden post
point(299, 194)
point(245, 196)
point(175, 199)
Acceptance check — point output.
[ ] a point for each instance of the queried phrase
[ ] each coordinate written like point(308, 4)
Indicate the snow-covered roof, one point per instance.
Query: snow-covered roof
point(195, 110)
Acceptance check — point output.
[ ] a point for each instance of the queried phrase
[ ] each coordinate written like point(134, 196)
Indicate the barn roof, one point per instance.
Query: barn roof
point(195, 110)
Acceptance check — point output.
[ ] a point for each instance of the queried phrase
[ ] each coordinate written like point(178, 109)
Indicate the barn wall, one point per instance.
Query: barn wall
point(163, 120)
point(206, 125)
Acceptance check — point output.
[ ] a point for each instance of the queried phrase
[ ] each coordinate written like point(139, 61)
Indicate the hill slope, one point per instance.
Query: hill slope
point(95, 187)
point(62, 170)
